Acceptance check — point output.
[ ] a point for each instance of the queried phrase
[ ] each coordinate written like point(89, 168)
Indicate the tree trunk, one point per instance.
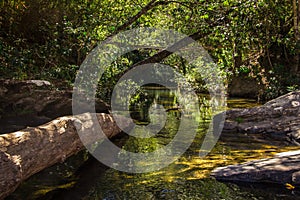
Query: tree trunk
point(26, 152)
point(296, 9)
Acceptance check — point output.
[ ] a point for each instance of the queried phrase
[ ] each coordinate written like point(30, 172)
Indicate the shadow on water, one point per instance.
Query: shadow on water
point(187, 178)
point(71, 180)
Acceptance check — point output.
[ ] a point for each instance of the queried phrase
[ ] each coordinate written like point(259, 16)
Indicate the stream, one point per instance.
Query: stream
point(186, 178)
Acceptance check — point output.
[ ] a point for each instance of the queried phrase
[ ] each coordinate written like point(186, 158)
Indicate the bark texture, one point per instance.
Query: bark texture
point(28, 151)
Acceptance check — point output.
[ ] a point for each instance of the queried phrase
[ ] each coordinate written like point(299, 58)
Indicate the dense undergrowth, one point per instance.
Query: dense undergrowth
point(50, 39)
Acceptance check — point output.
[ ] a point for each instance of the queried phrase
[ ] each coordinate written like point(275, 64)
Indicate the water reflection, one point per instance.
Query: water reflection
point(186, 178)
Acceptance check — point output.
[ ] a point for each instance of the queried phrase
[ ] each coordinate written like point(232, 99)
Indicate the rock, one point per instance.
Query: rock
point(34, 102)
point(245, 87)
point(283, 168)
point(39, 83)
point(278, 119)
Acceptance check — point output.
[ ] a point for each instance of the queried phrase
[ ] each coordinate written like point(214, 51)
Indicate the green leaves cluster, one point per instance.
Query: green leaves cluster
point(42, 39)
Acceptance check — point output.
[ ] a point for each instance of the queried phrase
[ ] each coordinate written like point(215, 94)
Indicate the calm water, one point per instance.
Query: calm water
point(186, 178)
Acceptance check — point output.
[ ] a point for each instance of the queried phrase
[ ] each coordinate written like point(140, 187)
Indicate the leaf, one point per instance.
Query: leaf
point(206, 16)
point(112, 28)
point(289, 186)
point(226, 3)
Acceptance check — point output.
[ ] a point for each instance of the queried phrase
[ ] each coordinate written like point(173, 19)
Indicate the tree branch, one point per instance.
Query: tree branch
point(143, 11)
point(158, 57)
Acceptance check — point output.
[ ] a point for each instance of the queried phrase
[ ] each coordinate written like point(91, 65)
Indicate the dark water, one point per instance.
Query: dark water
point(186, 178)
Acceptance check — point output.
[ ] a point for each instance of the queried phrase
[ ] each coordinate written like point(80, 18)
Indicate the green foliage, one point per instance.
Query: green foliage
point(239, 120)
point(114, 71)
point(140, 145)
point(47, 40)
point(50, 39)
point(280, 81)
point(156, 189)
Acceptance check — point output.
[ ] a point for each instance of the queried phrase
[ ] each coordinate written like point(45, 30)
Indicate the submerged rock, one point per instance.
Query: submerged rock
point(278, 119)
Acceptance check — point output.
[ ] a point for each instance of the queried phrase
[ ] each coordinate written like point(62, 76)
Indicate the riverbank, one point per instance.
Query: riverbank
point(277, 121)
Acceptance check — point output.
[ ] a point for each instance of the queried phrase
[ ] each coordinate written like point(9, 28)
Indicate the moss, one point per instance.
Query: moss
point(239, 120)
point(193, 190)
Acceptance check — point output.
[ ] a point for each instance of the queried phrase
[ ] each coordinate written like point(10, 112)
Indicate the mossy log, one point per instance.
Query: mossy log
point(28, 151)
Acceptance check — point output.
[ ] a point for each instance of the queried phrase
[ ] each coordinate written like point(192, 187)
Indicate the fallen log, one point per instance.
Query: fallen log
point(283, 168)
point(28, 151)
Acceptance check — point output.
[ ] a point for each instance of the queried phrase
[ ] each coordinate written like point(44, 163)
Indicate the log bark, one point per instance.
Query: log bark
point(28, 151)
point(283, 168)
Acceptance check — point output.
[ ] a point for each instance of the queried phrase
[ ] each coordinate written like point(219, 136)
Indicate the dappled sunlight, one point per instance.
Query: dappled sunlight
point(232, 148)
point(242, 103)
point(45, 190)
point(189, 175)
point(166, 80)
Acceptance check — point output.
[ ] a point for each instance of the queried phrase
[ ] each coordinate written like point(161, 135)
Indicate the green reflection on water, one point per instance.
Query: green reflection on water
point(188, 177)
